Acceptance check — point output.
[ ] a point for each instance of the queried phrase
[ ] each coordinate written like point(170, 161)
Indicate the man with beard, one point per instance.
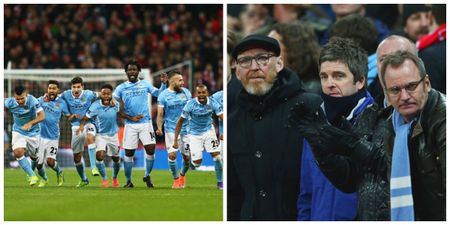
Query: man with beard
point(104, 114)
point(54, 106)
point(263, 150)
point(416, 21)
point(133, 99)
point(201, 131)
point(27, 113)
point(78, 101)
point(170, 105)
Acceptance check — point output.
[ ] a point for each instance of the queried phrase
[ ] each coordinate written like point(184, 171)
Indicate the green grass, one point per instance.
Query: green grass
point(199, 201)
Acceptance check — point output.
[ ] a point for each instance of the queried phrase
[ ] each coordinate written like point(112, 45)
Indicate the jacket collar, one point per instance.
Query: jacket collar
point(433, 98)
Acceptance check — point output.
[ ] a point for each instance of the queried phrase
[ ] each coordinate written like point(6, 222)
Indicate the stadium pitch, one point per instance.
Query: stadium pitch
point(199, 201)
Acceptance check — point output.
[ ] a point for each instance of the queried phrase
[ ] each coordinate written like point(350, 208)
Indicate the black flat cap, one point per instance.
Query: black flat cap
point(256, 41)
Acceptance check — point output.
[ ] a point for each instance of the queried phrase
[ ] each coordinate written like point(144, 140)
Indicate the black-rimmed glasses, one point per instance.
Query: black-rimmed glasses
point(410, 88)
point(260, 59)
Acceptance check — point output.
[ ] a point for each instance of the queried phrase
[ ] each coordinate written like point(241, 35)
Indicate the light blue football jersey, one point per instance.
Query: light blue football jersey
point(199, 115)
point(53, 110)
point(135, 98)
point(24, 114)
point(78, 105)
point(104, 117)
point(173, 104)
point(218, 96)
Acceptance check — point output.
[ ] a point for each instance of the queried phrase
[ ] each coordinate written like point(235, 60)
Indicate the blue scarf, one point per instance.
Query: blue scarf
point(402, 204)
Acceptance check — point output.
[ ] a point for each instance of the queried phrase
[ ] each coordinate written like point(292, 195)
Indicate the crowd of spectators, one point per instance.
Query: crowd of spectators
point(106, 36)
point(368, 24)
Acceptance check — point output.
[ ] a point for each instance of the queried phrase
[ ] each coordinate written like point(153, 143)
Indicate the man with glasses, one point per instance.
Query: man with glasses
point(263, 150)
point(415, 141)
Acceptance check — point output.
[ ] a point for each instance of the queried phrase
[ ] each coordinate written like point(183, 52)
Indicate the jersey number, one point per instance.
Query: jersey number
point(215, 143)
point(53, 150)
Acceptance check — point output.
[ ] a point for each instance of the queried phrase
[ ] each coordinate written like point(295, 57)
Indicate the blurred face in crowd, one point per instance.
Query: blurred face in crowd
point(257, 69)
point(176, 82)
point(21, 99)
point(417, 25)
point(337, 80)
point(52, 91)
point(406, 90)
point(279, 38)
point(106, 96)
point(342, 10)
point(202, 94)
point(77, 89)
point(132, 73)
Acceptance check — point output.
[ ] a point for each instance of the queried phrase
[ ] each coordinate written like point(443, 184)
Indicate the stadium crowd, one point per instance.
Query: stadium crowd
point(105, 36)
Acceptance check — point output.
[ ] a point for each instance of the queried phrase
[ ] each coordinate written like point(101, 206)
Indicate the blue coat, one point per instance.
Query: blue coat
point(319, 200)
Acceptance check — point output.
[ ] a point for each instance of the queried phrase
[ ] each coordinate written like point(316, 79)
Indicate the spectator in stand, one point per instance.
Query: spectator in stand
point(363, 31)
point(256, 19)
point(416, 21)
point(432, 49)
point(300, 51)
point(342, 10)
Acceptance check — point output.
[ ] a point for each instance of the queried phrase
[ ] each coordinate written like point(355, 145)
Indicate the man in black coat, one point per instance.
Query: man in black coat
point(263, 150)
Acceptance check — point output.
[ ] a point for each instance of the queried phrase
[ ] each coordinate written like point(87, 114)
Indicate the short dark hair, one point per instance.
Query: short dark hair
point(358, 28)
point(398, 58)
point(19, 90)
point(76, 80)
point(172, 73)
point(55, 82)
point(132, 63)
point(345, 50)
point(108, 86)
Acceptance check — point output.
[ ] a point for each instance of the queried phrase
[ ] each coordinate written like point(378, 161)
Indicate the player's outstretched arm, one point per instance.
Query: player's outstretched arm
point(177, 132)
point(159, 121)
point(39, 118)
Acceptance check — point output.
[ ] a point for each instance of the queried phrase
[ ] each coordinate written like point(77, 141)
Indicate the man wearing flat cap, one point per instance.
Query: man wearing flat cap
point(263, 150)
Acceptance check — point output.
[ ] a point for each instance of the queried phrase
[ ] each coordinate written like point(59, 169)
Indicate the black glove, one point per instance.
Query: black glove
point(325, 138)
point(306, 108)
point(345, 142)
